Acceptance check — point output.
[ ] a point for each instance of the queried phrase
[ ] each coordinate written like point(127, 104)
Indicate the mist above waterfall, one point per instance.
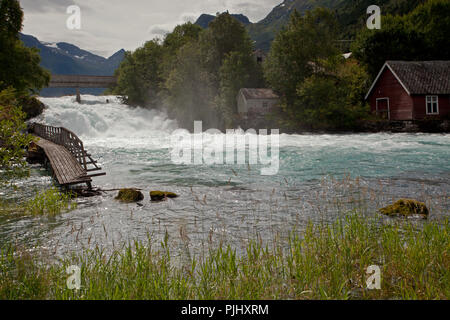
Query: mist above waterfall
point(105, 120)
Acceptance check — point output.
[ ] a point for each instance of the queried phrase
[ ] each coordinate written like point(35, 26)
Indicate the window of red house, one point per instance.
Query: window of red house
point(432, 104)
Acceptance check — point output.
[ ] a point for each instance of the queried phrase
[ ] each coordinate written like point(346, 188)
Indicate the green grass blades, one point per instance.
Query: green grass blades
point(50, 202)
point(321, 262)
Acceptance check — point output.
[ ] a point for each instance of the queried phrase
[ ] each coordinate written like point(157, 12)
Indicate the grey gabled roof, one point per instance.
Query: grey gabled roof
point(419, 77)
point(251, 93)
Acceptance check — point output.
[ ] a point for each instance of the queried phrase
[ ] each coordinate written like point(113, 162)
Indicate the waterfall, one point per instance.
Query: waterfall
point(104, 120)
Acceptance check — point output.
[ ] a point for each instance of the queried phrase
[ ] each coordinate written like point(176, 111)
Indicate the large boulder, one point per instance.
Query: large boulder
point(161, 195)
point(406, 208)
point(130, 195)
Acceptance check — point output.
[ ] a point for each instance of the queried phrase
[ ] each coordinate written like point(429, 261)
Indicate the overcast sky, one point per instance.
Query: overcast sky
point(110, 25)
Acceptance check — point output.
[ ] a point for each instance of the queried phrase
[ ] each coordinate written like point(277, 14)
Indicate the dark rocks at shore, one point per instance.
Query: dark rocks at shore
point(366, 126)
point(406, 208)
point(413, 126)
point(31, 106)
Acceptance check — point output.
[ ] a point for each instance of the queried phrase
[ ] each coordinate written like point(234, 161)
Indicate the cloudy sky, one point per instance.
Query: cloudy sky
point(110, 25)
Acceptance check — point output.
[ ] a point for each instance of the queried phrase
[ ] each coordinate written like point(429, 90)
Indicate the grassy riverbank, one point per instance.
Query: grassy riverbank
point(324, 262)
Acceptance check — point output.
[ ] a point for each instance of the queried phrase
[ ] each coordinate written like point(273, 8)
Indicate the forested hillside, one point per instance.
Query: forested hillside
point(351, 15)
point(264, 31)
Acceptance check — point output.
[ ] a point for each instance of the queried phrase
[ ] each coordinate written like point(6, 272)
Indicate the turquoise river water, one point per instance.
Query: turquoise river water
point(320, 177)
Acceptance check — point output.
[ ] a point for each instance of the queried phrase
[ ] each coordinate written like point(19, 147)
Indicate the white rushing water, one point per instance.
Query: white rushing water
point(110, 123)
point(114, 126)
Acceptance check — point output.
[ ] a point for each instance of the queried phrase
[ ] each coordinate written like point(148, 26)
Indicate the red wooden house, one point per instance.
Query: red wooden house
point(411, 90)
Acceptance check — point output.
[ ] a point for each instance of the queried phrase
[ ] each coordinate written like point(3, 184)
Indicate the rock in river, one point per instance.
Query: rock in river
point(406, 208)
point(130, 195)
point(161, 195)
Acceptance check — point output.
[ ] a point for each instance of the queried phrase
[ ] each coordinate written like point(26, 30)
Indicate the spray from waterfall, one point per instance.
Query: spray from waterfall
point(104, 120)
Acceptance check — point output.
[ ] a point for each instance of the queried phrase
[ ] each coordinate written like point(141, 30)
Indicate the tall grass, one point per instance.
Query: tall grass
point(50, 202)
point(323, 262)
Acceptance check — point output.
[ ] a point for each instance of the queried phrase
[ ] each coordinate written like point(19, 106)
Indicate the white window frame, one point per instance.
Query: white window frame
point(388, 105)
point(437, 104)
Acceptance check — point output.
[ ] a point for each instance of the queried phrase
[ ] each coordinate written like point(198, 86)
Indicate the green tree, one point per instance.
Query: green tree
point(297, 49)
point(11, 17)
point(180, 36)
point(142, 73)
point(195, 73)
point(238, 71)
point(206, 75)
point(190, 95)
point(19, 66)
point(332, 99)
point(139, 75)
point(224, 35)
point(421, 34)
point(396, 40)
point(13, 136)
point(228, 56)
point(319, 89)
point(432, 21)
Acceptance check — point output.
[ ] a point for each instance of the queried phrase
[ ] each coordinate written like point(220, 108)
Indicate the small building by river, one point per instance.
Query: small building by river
point(256, 102)
point(411, 90)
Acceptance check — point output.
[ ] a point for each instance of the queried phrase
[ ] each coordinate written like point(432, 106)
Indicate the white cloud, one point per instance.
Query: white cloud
point(110, 25)
point(189, 17)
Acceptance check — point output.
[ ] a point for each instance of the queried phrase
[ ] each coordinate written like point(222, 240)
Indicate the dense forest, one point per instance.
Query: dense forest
point(196, 73)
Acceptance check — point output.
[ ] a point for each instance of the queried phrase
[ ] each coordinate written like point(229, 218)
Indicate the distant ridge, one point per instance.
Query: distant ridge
point(263, 32)
point(66, 58)
point(351, 16)
point(204, 20)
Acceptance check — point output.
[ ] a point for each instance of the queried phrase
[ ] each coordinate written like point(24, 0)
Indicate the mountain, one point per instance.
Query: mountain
point(66, 58)
point(264, 31)
point(351, 15)
point(204, 20)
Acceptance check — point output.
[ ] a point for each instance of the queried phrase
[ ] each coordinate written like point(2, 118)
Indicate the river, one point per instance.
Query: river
point(320, 177)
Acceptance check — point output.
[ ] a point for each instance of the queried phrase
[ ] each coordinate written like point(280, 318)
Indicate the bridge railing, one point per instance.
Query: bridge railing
point(67, 139)
point(81, 81)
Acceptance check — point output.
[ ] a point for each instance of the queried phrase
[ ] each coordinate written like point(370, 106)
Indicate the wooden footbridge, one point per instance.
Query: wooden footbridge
point(65, 153)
